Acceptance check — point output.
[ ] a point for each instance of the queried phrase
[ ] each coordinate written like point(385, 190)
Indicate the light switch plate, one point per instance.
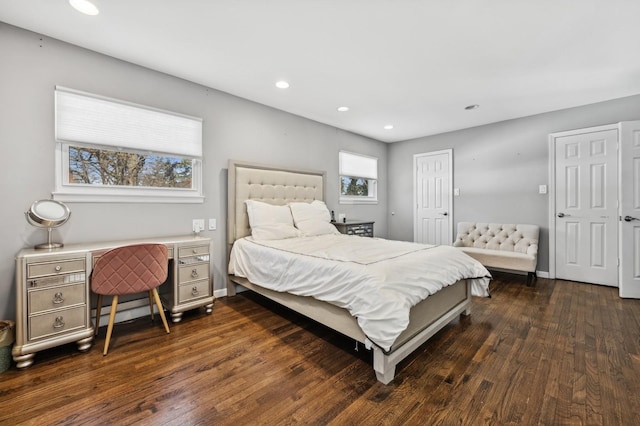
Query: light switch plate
point(212, 224)
point(198, 225)
point(542, 189)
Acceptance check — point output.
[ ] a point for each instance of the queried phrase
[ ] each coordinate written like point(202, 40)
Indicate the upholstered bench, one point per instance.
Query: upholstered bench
point(502, 246)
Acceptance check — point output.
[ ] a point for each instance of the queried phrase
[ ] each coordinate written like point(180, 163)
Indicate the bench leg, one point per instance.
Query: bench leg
point(531, 278)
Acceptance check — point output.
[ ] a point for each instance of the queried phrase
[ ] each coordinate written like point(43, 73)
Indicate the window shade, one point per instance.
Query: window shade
point(355, 165)
point(83, 118)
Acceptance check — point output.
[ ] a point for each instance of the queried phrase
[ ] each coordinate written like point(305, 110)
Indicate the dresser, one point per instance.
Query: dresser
point(361, 228)
point(53, 301)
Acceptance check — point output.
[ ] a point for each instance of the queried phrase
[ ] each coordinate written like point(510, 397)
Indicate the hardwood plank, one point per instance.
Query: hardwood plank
point(593, 403)
point(555, 353)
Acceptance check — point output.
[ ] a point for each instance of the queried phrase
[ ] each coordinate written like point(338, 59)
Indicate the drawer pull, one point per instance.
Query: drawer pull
point(57, 298)
point(194, 273)
point(58, 268)
point(195, 251)
point(58, 322)
point(194, 291)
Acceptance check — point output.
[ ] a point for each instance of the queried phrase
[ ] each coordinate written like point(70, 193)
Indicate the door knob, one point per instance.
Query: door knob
point(561, 214)
point(445, 214)
point(629, 218)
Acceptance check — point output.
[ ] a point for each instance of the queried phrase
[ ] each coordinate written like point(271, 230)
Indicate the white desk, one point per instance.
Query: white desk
point(53, 291)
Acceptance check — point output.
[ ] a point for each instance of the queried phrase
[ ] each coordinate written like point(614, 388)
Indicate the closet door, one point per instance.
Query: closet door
point(630, 209)
point(433, 218)
point(586, 202)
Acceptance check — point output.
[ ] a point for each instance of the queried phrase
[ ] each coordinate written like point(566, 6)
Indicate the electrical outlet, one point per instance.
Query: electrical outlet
point(198, 225)
point(212, 224)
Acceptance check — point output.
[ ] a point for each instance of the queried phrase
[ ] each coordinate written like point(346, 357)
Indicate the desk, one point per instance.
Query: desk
point(53, 291)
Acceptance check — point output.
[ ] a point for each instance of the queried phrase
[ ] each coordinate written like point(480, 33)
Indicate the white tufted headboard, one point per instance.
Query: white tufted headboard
point(270, 184)
point(496, 236)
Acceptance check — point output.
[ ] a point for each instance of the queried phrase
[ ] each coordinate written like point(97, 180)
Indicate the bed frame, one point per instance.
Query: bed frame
point(278, 185)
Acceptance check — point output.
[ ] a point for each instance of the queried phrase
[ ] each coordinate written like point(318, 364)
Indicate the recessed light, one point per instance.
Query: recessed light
point(388, 127)
point(343, 109)
point(84, 6)
point(282, 84)
point(470, 107)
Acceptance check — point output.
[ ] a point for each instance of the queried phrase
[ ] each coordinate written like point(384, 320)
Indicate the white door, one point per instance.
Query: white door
point(433, 216)
point(630, 209)
point(586, 192)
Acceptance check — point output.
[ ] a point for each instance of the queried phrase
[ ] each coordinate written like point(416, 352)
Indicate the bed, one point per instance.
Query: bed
point(281, 186)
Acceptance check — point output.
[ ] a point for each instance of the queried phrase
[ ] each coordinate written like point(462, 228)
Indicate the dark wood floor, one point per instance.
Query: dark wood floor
point(556, 353)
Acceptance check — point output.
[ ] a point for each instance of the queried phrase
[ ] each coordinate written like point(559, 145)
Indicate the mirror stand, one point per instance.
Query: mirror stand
point(49, 244)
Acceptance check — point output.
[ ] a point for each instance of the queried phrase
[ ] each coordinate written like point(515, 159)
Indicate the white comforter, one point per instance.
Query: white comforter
point(376, 280)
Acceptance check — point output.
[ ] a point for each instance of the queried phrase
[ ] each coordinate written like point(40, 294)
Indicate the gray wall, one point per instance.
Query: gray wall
point(497, 167)
point(234, 128)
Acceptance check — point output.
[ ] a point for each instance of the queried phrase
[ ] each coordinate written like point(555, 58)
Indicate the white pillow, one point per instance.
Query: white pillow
point(312, 218)
point(270, 222)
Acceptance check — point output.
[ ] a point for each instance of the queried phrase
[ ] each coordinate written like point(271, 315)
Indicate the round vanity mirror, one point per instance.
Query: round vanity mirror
point(48, 214)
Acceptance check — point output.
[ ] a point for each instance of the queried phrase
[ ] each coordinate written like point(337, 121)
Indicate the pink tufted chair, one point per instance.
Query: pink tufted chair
point(129, 270)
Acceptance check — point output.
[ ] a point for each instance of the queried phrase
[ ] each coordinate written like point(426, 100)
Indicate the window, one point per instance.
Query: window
point(358, 178)
point(95, 166)
point(110, 150)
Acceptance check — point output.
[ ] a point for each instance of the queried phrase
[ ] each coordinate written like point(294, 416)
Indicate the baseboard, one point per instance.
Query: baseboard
point(127, 311)
point(136, 308)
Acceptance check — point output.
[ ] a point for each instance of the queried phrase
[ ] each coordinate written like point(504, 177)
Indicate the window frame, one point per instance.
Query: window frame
point(81, 120)
point(372, 197)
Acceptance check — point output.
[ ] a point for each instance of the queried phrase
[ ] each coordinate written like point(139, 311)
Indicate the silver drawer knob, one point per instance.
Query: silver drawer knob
point(58, 322)
point(194, 273)
point(194, 291)
point(57, 298)
point(58, 268)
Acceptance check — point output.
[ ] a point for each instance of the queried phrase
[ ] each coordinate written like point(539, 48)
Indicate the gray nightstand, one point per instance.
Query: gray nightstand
point(353, 227)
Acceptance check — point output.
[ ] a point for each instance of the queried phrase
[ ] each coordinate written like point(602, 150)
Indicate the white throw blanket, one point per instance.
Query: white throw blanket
point(378, 281)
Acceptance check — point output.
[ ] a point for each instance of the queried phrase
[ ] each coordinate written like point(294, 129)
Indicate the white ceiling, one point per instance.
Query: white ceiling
point(412, 63)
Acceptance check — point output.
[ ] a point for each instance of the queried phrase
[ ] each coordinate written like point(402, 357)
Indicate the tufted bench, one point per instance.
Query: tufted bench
point(503, 246)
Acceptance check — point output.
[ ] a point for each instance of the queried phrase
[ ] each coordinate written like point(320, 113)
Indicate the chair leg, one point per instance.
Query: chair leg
point(98, 310)
point(112, 317)
point(151, 305)
point(160, 309)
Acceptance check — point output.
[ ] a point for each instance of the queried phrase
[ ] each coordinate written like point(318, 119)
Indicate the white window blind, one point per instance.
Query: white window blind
point(87, 119)
point(355, 165)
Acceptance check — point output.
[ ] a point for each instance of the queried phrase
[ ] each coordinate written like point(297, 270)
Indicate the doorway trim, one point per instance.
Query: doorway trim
point(552, 185)
point(449, 152)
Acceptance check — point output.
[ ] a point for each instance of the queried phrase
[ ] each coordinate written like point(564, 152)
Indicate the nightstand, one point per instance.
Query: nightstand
point(353, 227)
